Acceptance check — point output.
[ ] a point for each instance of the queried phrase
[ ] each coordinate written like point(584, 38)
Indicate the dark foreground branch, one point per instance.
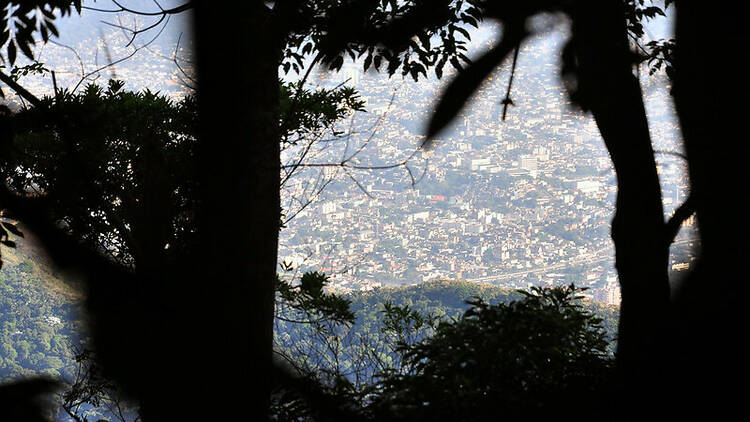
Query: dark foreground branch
point(682, 213)
point(23, 92)
point(325, 406)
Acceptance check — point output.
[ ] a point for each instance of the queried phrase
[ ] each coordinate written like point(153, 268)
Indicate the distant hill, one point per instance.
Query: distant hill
point(39, 315)
point(448, 298)
point(361, 351)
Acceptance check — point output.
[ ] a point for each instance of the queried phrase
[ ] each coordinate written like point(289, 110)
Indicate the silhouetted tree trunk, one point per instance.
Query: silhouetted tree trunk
point(238, 60)
point(711, 91)
point(612, 93)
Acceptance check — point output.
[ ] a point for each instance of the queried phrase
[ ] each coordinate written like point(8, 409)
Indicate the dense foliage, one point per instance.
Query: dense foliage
point(332, 338)
point(526, 353)
point(359, 345)
point(525, 358)
point(21, 19)
point(115, 166)
point(38, 320)
point(119, 167)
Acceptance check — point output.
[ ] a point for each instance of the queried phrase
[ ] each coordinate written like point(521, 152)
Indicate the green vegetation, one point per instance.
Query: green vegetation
point(386, 339)
point(38, 318)
point(447, 299)
point(330, 342)
point(517, 353)
point(523, 359)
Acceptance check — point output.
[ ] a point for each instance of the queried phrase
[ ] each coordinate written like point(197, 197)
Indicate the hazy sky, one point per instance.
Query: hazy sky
point(92, 39)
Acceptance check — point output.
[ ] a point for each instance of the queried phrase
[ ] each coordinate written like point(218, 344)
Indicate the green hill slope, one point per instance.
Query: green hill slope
point(39, 318)
point(447, 298)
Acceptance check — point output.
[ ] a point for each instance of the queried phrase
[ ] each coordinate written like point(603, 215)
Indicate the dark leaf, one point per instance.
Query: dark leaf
point(52, 28)
point(414, 73)
point(463, 32)
point(45, 33)
point(336, 63)
point(393, 65)
point(456, 64)
point(49, 14)
point(470, 20)
point(12, 228)
point(4, 37)
point(12, 52)
point(24, 46)
point(424, 38)
point(439, 67)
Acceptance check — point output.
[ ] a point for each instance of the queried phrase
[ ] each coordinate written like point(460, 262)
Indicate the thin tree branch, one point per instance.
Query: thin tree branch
point(359, 185)
point(21, 91)
point(172, 11)
point(80, 61)
point(134, 32)
point(673, 153)
point(507, 101)
point(136, 49)
point(682, 213)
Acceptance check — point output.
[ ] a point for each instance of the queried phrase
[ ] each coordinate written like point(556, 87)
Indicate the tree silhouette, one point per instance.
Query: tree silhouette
point(527, 359)
point(234, 248)
point(231, 270)
point(240, 139)
point(599, 59)
point(90, 389)
point(708, 98)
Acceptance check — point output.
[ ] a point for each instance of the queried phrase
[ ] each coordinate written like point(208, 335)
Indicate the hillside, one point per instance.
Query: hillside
point(361, 352)
point(447, 298)
point(39, 318)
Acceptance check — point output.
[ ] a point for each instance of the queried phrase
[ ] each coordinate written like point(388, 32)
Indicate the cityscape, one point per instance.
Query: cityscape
point(150, 260)
point(521, 202)
point(517, 202)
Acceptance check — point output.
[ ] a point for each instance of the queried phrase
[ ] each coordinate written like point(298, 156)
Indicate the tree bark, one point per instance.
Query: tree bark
point(612, 93)
point(708, 90)
point(239, 216)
